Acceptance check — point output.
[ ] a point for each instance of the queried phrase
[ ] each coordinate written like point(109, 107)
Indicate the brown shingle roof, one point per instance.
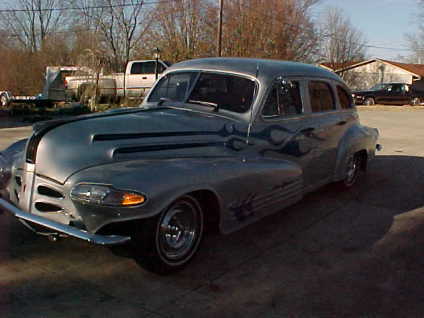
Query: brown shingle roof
point(338, 66)
point(417, 69)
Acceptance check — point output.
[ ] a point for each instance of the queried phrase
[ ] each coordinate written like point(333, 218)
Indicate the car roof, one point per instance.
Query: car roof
point(256, 67)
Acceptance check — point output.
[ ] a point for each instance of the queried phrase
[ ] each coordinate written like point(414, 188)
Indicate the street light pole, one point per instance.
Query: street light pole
point(156, 55)
point(219, 37)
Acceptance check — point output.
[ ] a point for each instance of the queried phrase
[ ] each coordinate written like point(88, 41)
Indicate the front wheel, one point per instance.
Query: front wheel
point(167, 242)
point(369, 101)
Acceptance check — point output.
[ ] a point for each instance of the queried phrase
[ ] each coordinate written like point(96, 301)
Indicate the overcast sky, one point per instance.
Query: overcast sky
point(383, 22)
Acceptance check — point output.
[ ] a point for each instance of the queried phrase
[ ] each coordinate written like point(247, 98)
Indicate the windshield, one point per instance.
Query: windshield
point(213, 90)
point(173, 87)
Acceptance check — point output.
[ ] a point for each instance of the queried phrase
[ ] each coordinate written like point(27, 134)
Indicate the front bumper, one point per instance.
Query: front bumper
point(62, 228)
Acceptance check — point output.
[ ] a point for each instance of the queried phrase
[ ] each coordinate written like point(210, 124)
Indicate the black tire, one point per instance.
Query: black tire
point(354, 170)
point(4, 101)
point(415, 101)
point(369, 101)
point(168, 242)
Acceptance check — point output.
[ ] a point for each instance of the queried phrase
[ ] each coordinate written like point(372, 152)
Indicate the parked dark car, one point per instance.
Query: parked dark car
point(389, 94)
point(217, 144)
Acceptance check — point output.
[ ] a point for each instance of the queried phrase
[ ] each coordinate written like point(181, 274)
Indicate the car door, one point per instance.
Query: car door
point(328, 124)
point(396, 94)
point(406, 94)
point(286, 132)
point(383, 96)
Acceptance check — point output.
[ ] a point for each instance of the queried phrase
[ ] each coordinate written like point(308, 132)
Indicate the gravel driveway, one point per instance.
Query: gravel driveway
point(335, 254)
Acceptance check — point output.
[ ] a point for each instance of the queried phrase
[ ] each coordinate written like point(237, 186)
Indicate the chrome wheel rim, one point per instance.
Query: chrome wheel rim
point(179, 231)
point(352, 171)
point(3, 101)
point(369, 102)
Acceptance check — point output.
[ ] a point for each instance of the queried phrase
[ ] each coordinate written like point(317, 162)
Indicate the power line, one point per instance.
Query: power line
point(121, 5)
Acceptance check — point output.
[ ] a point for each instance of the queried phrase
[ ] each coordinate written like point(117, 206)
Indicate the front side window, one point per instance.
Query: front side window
point(321, 96)
point(173, 87)
point(283, 100)
point(344, 98)
point(225, 91)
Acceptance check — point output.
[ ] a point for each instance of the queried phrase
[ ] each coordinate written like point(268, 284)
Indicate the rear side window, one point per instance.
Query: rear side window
point(145, 68)
point(344, 98)
point(283, 100)
point(322, 98)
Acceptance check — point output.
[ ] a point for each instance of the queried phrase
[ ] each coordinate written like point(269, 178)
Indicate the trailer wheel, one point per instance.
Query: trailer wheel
point(4, 100)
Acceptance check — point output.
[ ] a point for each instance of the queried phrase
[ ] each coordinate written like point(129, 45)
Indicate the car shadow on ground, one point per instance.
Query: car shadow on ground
point(354, 252)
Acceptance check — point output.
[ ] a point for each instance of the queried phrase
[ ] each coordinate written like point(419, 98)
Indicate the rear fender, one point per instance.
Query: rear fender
point(357, 138)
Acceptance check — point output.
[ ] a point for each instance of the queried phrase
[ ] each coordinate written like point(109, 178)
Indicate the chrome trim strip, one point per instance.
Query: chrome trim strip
point(62, 228)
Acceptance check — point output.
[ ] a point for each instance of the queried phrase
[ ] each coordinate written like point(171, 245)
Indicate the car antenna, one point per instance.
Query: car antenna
point(251, 111)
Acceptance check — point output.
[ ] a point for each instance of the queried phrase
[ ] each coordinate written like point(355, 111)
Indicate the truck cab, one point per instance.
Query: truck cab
point(140, 76)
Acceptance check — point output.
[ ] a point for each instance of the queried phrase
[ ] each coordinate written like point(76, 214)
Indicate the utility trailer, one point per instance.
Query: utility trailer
point(54, 90)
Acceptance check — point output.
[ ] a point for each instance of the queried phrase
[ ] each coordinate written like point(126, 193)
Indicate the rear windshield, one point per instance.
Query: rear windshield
point(219, 90)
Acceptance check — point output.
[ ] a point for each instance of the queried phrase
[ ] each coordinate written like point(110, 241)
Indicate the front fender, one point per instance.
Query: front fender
point(357, 138)
point(163, 181)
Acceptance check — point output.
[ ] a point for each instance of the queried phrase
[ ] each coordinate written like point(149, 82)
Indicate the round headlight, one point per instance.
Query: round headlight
point(105, 195)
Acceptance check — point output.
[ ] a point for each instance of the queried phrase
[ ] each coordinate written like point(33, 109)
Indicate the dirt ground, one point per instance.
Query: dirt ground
point(335, 254)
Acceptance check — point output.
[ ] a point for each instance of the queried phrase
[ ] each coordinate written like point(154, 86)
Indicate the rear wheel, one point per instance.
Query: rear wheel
point(166, 243)
point(369, 101)
point(415, 101)
point(354, 169)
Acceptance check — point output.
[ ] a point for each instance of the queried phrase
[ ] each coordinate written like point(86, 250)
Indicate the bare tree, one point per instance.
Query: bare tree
point(416, 40)
point(119, 24)
point(179, 28)
point(281, 29)
point(341, 41)
point(32, 22)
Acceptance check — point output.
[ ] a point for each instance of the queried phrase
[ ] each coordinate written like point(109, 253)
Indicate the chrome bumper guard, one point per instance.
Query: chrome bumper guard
point(62, 228)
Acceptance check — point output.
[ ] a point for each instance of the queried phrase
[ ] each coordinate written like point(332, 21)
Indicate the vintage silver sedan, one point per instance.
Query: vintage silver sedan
point(217, 144)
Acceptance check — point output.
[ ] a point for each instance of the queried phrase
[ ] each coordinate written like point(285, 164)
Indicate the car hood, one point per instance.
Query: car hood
point(70, 146)
point(366, 92)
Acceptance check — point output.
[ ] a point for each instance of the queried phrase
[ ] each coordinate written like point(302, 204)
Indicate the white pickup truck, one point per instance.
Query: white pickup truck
point(138, 78)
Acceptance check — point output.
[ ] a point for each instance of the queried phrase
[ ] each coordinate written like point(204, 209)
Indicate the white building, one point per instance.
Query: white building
point(363, 75)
